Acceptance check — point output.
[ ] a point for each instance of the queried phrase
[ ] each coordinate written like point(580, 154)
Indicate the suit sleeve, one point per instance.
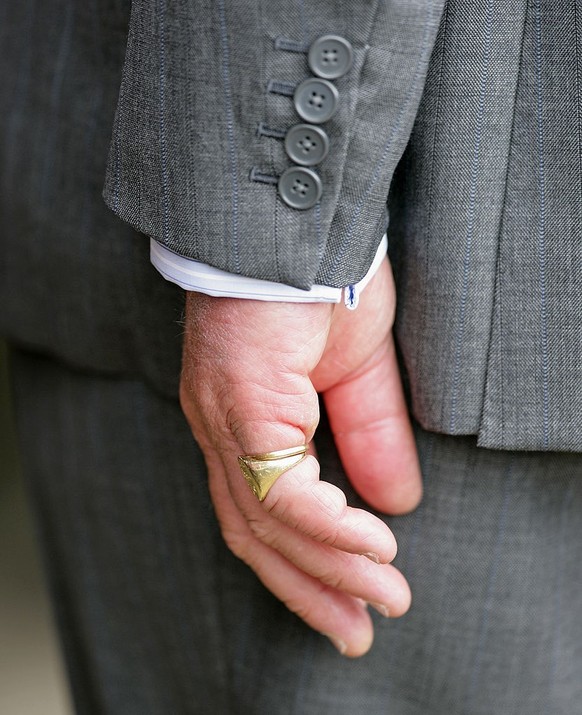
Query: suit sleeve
point(210, 91)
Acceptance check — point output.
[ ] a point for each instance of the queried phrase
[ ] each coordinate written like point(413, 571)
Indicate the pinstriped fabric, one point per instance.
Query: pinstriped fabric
point(136, 550)
point(92, 128)
point(493, 556)
point(161, 618)
point(578, 75)
point(471, 209)
point(481, 649)
point(486, 226)
point(446, 206)
point(55, 98)
point(361, 213)
point(457, 316)
point(234, 169)
point(558, 644)
point(407, 563)
point(162, 122)
point(16, 83)
point(216, 214)
point(532, 398)
point(397, 638)
point(74, 281)
point(542, 226)
point(305, 35)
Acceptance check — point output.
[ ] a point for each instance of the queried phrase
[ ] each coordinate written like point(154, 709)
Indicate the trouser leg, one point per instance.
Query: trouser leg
point(158, 617)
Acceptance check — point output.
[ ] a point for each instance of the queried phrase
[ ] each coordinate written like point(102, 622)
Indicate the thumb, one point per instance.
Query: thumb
point(369, 418)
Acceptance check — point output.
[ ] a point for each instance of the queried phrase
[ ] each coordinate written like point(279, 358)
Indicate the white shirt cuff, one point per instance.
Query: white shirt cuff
point(195, 276)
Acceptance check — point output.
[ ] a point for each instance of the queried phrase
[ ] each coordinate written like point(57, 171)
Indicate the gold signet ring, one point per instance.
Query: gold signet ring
point(262, 470)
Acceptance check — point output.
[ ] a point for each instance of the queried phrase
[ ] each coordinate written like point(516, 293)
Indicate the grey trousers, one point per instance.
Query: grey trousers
point(157, 617)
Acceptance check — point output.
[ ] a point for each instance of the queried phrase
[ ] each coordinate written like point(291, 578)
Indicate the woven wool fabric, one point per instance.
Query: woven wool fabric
point(484, 208)
point(158, 617)
point(487, 228)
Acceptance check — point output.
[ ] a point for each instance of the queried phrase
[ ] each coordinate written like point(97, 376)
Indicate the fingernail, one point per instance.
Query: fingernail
point(337, 642)
point(381, 608)
point(372, 556)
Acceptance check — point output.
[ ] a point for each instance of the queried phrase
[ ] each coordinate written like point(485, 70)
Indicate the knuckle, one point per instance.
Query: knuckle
point(282, 508)
point(327, 535)
point(253, 407)
point(277, 507)
point(331, 501)
point(302, 521)
point(331, 578)
point(263, 530)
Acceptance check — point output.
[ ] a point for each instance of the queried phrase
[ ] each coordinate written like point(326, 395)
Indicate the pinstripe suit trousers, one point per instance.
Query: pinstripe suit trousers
point(157, 617)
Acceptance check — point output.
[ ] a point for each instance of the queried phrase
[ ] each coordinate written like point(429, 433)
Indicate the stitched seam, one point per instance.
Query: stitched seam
point(320, 245)
point(430, 192)
point(578, 109)
point(384, 155)
point(349, 131)
point(116, 169)
point(303, 20)
point(306, 32)
point(268, 131)
point(230, 131)
point(497, 294)
point(499, 266)
point(471, 219)
point(162, 124)
point(117, 139)
point(542, 225)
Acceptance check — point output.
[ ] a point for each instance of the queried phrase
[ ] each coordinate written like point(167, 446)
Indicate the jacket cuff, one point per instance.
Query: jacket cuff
point(211, 120)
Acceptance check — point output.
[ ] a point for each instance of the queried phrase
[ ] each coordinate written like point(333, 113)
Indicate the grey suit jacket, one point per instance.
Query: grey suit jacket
point(484, 206)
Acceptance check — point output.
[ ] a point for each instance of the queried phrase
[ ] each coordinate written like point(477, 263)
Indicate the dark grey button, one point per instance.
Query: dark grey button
point(316, 100)
point(306, 145)
point(300, 188)
point(330, 57)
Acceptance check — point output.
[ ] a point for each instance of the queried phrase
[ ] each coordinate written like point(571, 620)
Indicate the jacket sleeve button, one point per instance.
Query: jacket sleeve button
point(300, 188)
point(306, 144)
point(316, 100)
point(330, 57)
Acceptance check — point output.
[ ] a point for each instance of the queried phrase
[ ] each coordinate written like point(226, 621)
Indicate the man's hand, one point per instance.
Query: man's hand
point(251, 373)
